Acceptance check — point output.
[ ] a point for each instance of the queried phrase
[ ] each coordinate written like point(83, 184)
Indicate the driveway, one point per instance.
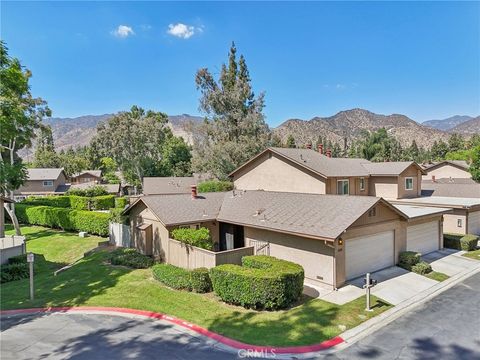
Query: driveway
point(450, 262)
point(94, 336)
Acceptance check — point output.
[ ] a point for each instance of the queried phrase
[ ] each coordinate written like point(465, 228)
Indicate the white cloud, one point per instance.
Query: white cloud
point(182, 31)
point(123, 31)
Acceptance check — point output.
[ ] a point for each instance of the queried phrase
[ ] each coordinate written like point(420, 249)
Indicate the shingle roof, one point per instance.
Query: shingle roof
point(96, 173)
point(413, 211)
point(387, 168)
point(449, 181)
point(167, 185)
point(458, 163)
point(442, 201)
point(451, 189)
point(44, 174)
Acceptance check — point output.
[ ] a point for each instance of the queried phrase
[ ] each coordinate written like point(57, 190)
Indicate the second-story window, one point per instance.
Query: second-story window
point(408, 183)
point(48, 183)
point(343, 187)
point(362, 184)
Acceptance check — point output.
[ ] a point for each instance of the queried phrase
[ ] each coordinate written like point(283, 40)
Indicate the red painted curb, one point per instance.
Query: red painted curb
point(220, 338)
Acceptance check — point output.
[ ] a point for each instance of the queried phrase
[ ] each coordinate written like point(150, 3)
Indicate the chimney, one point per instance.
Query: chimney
point(194, 192)
point(320, 148)
point(309, 146)
point(433, 178)
point(329, 153)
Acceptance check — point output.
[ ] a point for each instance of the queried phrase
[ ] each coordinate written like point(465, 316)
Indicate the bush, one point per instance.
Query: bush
point(14, 271)
point(79, 202)
point(19, 259)
point(131, 258)
point(422, 268)
point(195, 237)
point(117, 217)
point(172, 276)
point(200, 280)
point(215, 186)
point(56, 201)
point(262, 282)
point(103, 202)
point(66, 219)
point(407, 259)
point(466, 242)
point(121, 202)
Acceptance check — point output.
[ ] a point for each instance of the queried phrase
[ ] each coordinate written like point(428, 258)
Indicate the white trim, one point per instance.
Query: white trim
point(348, 182)
point(408, 178)
point(47, 183)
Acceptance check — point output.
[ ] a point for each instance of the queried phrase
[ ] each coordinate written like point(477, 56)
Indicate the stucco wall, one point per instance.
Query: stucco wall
point(354, 185)
point(384, 186)
point(447, 171)
point(450, 222)
point(273, 174)
point(36, 186)
point(413, 172)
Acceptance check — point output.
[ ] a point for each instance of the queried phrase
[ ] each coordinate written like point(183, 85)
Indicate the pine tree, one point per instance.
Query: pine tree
point(291, 142)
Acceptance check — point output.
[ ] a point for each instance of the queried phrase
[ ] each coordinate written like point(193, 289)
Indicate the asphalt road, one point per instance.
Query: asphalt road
point(446, 327)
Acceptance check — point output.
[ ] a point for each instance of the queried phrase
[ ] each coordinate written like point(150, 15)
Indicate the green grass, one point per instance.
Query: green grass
point(92, 281)
point(475, 254)
point(438, 276)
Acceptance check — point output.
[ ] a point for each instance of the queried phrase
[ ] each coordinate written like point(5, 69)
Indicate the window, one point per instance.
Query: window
point(362, 184)
point(408, 183)
point(343, 187)
point(459, 223)
point(48, 183)
point(372, 212)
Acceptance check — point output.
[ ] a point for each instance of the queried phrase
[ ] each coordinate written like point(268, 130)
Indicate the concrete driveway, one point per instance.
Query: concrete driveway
point(450, 262)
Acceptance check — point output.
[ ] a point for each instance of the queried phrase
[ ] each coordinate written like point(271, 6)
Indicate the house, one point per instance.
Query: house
point(335, 238)
point(452, 187)
point(447, 169)
point(87, 176)
point(464, 217)
point(167, 185)
point(41, 182)
point(308, 171)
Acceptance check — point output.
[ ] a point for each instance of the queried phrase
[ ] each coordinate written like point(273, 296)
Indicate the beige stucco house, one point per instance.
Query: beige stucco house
point(41, 182)
point(309, 171)
point(447, 169)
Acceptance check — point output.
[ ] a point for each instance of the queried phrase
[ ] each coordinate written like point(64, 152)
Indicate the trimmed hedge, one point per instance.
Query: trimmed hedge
point(76, 202)
point(79, 202)
point(408, 259)
point(121, 202)
point(422, 268)
point(172, 276)
point(200, 280)
point(96, 190)
point(466, 242)
point(55, 201)
point(104, 202)
point(16, 269)
point(61, 218)
point(214, 186)
point(131, 258)
point(262, 282)
point(196, 237)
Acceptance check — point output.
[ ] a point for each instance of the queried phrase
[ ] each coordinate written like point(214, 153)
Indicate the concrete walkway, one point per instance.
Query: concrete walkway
point(450, 262)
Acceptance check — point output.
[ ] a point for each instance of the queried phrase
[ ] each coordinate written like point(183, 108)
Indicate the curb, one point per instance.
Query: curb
point(230, 343)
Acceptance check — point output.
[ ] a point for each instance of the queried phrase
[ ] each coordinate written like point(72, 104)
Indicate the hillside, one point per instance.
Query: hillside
point(448, 123)
point(353, 122)
point(468, 127)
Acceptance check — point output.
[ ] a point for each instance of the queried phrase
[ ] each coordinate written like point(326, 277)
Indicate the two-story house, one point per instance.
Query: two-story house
point(41, 182)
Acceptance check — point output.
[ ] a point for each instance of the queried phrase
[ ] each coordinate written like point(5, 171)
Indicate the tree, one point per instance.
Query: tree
point(475, 164)
point(73, 161)
point(177, 157)
point(439, 150)
point(336, 151)
point(234, 129)
point(20, 115)
point(45, 155)
point(455, 143)
point(291, 142)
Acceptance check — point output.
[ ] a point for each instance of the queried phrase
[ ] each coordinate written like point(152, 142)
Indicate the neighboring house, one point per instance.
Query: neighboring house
point(167, 185)
point(447, 169)
point(308, 171)
point(465, 212)
point(41, 182)
point(87, 176)
point(465, 188)
point(335, 238)
point(113, 189)
point(125, 187)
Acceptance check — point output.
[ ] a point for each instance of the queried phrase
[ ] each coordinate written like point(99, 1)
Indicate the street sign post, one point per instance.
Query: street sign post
point(30, 260)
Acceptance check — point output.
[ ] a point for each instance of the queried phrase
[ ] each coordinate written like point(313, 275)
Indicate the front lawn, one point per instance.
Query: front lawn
point(438, 276)
point(475, 254)
point(93, 282)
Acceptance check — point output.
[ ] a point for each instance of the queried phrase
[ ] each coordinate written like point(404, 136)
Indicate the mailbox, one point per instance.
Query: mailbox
point(372, 281)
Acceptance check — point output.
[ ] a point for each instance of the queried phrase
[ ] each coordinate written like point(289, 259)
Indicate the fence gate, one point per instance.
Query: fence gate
point(261, 247)
point(119, 234)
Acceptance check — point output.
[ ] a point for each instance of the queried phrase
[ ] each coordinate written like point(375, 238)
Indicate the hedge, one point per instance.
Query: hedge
point(104, 202)
point(131, 258)
point(422, 268)
point(96, 190)
point(76, 202)
point(262, 282)
point(196, 237)
point(200, 280)
point(61, 218)
point(466, 242)
point(172, 276)
point(214, 186)
point(121, 202)
point(16, 269)
point(55, 201)
point(408, 259)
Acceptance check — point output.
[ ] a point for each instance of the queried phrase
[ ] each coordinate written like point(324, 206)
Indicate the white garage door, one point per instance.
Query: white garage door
point(474, 223)
point(423, 238)
point(369, 253)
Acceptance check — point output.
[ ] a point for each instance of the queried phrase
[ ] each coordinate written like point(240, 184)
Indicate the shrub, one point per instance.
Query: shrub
point(79, 202)
point(19, 259)
point(200, 280)
point(172, 276)
point(195, 237)
point(15, 271)
point(56, 201)
point(96, 190)
point(422, 268)
point(131, 258)
point(214, 186)
point(103, 202)
point(116, 216)
point(66, 219)
point(466, 242)
point(121, 202)
point(407, 259)
point(262, 282)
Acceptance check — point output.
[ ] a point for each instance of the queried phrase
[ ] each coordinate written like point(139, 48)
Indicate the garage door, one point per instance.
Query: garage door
point(369, 253)
point(474, 223)
point(423, 238)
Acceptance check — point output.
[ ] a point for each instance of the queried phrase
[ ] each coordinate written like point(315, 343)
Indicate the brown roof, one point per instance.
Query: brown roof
point(167, 185)
point(96, 173)
point(461, 189)
point(461, 164)
point(392, 168)
point(44, 174)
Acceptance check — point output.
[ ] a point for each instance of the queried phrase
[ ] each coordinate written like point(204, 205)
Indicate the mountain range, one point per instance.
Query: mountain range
point(75, 132)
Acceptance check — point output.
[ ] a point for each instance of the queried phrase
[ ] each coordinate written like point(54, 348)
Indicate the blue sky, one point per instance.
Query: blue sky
point(421, 59)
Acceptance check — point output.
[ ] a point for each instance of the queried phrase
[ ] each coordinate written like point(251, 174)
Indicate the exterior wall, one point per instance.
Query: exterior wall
point(36, 186)
point(84, 178)
point(384, 186)
point(413, 172)
point(447, 171)
point(354, 185)
point(473, 222)
point(271, 173)
point(393, 187)
point(314, 255)
point(450, 222)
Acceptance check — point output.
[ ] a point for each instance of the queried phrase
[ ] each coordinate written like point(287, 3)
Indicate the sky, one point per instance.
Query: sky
point(421, 59)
